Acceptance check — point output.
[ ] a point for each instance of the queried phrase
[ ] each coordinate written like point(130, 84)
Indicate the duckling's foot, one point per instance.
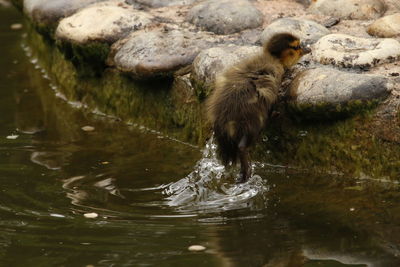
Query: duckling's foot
point(244, 176)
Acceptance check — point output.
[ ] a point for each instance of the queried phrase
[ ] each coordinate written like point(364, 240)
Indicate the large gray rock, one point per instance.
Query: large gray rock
point(49, 12)
point(388, 26)
point(163, 3)
point(327, 89)
point(158, 52)
point(307, 30)
point(349, 51)
point(213, 61)
point(103, 22)
point(225, 16)
point(349, 9)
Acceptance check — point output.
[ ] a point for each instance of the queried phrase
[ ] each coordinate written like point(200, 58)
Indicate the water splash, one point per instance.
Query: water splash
point(210, 187)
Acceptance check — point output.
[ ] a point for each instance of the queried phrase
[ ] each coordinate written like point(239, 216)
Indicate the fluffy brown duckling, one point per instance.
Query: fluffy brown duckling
point(241, 103)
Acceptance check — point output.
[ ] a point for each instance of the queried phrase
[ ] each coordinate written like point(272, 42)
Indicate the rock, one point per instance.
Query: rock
point(349, 51)
point(163, 3)
point(388, 26)
point(307, 30)
point(103, 22)
point(49, 12)
point(211, 62)
point(158, 52)
point(349, 9)
point(225, 16)
point(326, 89)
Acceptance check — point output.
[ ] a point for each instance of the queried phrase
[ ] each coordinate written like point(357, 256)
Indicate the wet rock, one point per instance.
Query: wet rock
point(325, 88)
point(49, 12)
point(307, 30)
point(225, 16)
point(158, 52)
point(210, 62)
point(388, 26)
point(104, 22)
point(163, 3)
point(348, 51)
point(349, 9)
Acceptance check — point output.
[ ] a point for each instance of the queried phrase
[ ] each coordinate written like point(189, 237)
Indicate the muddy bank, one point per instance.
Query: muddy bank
point(154, 65)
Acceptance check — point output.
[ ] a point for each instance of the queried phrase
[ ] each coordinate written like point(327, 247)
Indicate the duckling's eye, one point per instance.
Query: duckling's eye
point(296, 47)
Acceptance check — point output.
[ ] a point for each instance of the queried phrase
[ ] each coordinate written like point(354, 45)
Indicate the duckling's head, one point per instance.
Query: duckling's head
point(287, 48)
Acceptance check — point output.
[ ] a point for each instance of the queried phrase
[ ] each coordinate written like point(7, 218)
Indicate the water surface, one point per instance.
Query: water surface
point(156, 196)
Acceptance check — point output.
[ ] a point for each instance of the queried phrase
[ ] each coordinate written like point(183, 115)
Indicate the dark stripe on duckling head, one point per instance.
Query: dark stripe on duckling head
point(280, 42)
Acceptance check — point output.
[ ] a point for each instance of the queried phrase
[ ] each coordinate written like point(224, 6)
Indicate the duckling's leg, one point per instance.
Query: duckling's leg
point(244, 156)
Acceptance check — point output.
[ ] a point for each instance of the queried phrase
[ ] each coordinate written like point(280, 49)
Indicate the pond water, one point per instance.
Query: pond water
point(156, 196)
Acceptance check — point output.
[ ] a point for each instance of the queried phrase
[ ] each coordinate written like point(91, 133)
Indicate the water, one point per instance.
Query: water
point(155, 196)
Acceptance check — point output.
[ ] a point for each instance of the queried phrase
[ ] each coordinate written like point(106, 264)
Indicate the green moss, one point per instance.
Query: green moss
point(202, 90)
point(323, 111)
point(345, 146)
point(89, 59)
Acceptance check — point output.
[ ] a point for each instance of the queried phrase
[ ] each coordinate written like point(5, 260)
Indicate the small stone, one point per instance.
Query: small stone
point(349, 9)
point(352, 209)
point(348, 51)
point(91, 215)
point(88, 128)
point(225, 16)
point(163, 3)
point(196, 248)
point(16, 26)
point(332, 21)
point(57, 215)
point(388, 26)
point(12, 137)
point(307, 30)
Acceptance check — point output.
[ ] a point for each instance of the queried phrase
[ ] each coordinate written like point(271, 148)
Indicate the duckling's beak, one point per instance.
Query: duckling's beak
point(305, 49)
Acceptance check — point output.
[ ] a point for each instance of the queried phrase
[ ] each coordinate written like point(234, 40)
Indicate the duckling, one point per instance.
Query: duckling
point(241, 103)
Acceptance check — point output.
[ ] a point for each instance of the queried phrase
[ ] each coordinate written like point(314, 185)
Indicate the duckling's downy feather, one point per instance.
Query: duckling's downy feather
point(244, 95)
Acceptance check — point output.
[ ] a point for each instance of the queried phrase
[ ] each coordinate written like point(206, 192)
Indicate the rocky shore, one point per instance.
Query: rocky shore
point(339, 106)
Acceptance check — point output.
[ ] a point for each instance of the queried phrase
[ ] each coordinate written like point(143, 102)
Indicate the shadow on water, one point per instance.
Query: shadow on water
point(155, 196)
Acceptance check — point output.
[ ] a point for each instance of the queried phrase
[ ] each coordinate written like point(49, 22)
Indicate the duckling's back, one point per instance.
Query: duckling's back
point(240, 104)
